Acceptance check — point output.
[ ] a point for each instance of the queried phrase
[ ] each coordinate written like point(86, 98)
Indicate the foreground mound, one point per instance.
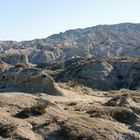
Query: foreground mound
point(27, 80)
point(70, 117)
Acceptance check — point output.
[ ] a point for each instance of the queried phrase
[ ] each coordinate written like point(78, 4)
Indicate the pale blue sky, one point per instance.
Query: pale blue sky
point(30, 19)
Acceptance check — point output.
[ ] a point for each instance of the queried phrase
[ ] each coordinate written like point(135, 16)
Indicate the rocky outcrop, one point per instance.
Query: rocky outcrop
point(102, 73)
point(43, 56)
point(27, 80)
point(14, 59)
point(3, 67)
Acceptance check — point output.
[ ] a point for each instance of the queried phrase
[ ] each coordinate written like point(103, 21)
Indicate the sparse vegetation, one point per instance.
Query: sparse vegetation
point(70, 132)
point(72, 103)
point(119, 114)
point(125, 116)
point(36, 110)
point(7, 130)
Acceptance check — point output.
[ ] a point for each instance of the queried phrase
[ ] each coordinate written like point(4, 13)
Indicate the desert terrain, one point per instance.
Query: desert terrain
point(82, 84)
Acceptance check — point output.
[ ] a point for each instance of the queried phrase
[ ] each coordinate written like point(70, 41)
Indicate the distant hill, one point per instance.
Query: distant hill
point(102, 40)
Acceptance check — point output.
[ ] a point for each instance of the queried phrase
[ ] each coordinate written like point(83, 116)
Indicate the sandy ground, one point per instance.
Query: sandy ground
point(70, 108)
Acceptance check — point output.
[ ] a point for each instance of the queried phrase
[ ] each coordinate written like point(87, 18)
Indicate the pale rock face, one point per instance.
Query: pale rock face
point(73, 53)
point(3, 67)
point(28, 80)
point(102, 73)
point(14, 59)
point(96, 73)
point(43, 56)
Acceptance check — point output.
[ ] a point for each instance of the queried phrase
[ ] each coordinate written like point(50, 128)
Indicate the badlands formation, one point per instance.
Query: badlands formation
point(82, 84)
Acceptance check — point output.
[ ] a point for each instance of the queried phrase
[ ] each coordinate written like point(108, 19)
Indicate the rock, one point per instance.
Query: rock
point(95, 74)
point(102, 73)
point(14, 59)
point(73, 53)
point(27, 80)
point(43, 56)
point(3, 66)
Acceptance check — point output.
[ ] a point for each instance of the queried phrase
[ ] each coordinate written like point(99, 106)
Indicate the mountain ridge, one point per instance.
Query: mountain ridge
point(101, 40)
point(10, 40)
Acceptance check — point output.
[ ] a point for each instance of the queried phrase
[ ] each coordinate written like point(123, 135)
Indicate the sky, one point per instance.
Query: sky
point(31, 19)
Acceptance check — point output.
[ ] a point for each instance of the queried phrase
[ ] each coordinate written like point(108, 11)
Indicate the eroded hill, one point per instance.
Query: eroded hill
point(102, 40)
point(101, 73)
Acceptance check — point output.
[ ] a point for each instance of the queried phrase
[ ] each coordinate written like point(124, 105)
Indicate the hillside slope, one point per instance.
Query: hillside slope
point(102, 40)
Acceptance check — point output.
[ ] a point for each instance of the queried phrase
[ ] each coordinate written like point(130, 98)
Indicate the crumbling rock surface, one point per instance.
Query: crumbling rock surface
point(102, 73)
point(27, 80)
